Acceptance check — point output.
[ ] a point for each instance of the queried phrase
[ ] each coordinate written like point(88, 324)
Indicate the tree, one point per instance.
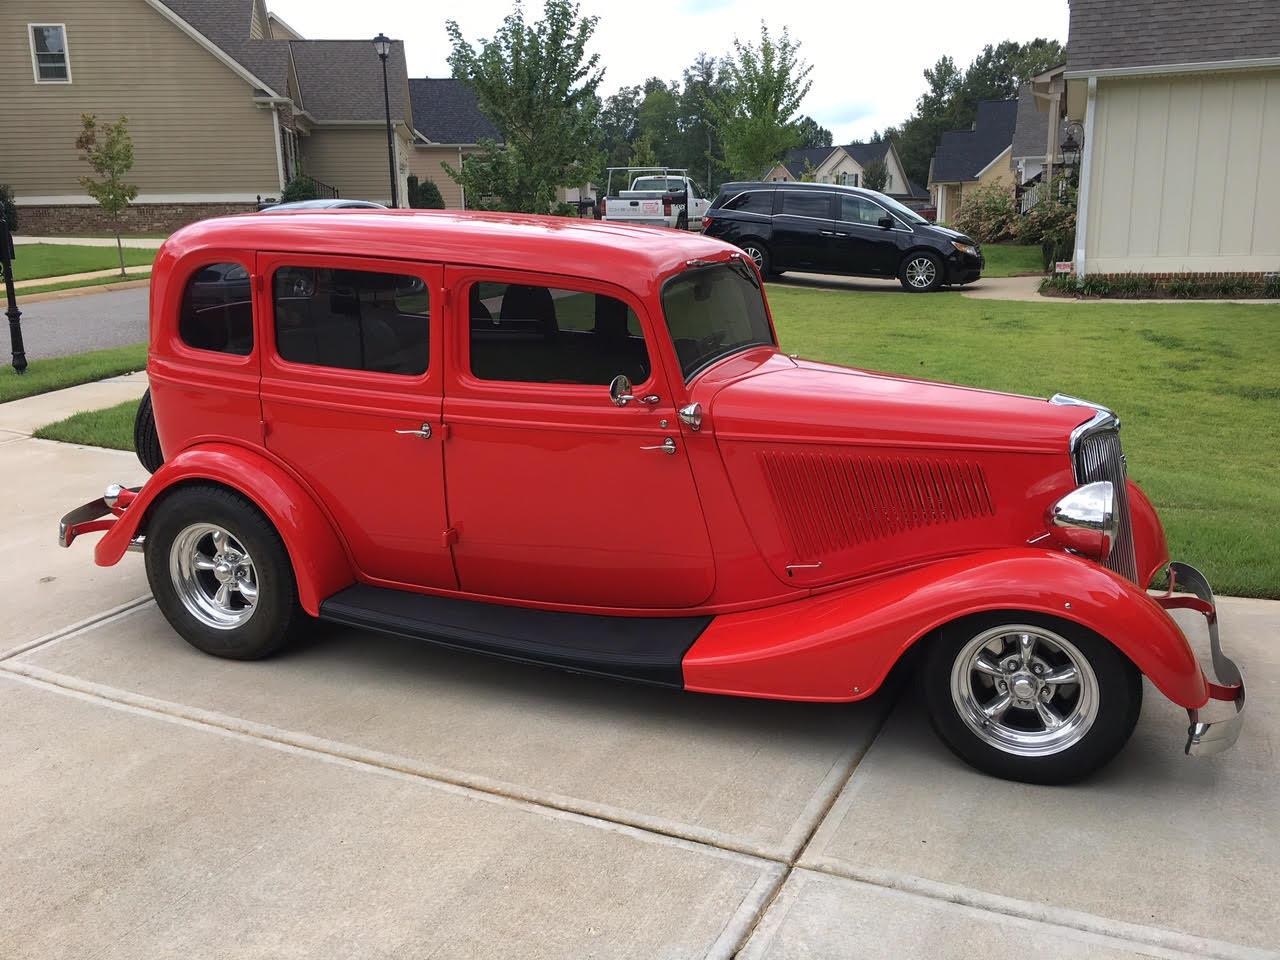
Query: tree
point(642, 153)
point(110, 160)
point(424, 195)
point(812, 134)
point(755, 117)
point(705, 81)
point(538, 85)
point(10, 209)
point(875, 174)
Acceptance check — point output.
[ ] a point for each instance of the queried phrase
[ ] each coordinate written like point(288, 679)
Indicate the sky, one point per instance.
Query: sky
point(867, 57)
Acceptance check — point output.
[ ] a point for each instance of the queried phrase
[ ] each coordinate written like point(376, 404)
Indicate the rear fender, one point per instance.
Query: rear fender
point(841, 645)
point(320, 562)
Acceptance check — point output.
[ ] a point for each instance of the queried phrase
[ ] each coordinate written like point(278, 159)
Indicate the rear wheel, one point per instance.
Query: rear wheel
point(760, 256)
point(146, 442)
point(1030, 698)
point(921, 272)
point(220, 573)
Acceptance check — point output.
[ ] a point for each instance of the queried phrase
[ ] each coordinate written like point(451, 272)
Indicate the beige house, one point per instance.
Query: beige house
point(225, 104)
point(846, 164)
point(977, 157)
point(1180, 105)
point(449, 126)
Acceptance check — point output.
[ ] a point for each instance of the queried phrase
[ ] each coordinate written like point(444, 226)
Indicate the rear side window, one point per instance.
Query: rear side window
point(757, 201)
point(532, 334)
point(217, 310)
point(806, 204)
point(352, 319)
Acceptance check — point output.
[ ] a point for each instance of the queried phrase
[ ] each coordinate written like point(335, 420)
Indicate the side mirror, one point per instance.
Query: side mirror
point(885, 223)
point(620, 390)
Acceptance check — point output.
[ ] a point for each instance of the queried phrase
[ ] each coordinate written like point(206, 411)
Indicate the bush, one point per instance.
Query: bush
point(1271, 286)
point(301, 187)
point(1133, 285)
point(1051, 222)
point(1096, 286)
point(987, 214)
point(1183, 287)
point(10, 208)
point(424, 195)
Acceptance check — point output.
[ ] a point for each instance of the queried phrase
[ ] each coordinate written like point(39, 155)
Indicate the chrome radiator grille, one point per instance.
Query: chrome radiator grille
point(1099, 457)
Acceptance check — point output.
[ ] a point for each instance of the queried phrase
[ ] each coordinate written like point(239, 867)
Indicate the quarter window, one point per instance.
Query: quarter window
point(757, 201)
point(217, 310)
point(49, 53)
point(352, 319)
point(806, 204)
point(532, 334)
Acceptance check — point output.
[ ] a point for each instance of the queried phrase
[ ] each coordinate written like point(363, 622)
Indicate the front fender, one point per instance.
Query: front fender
point(841, 645)
point(320, 562)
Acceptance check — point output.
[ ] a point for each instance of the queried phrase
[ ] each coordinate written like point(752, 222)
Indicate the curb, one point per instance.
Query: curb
point(81, 291)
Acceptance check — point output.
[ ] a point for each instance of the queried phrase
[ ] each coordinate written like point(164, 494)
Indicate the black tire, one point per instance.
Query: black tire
point(276, 614)
point(911, 272)
point(1118, 701)
point(758, 252)
point(146, 442)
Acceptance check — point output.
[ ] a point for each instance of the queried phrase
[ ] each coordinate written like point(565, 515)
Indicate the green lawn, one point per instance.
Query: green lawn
point(45, 375)
point(112, 427)
point(1011, 259)
point(1196, 386)
point(38, 260)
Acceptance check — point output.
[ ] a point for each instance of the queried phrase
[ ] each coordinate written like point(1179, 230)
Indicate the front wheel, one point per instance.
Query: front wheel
point(920, 272)
point(1030, 698)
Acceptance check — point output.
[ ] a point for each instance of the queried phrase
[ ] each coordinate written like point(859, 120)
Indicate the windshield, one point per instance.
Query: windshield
point(905, 213)
point(713, 312)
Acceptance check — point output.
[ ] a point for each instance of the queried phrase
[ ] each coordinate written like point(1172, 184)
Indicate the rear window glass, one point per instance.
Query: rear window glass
point(217, 310)
point(713, 312)
point(807, 204)
point(758, 201)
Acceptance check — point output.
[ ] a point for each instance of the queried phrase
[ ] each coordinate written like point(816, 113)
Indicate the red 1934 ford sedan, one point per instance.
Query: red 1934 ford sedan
point(578, 444)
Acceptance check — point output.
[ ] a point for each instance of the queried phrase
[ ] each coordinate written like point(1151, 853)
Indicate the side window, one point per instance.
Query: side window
point(217, 310)
point(529, 334)
point(861, 210)
point(806, 204)
point(352, 319)
point(757, 201)
point(49, 53)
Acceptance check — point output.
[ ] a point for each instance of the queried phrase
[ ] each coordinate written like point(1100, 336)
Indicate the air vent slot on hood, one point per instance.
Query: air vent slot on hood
point(829, 502)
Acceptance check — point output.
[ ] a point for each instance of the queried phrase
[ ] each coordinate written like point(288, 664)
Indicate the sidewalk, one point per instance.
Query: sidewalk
point(91, 275)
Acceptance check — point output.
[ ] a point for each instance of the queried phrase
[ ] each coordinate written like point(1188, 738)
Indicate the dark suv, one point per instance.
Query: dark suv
point(824, 228)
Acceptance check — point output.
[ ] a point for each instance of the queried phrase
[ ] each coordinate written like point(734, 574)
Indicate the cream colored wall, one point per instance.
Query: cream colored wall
point(424, 163)
point(837, 164)
point(1183, 174)
point(997, 171)
point(194, 126)
point(353, 159)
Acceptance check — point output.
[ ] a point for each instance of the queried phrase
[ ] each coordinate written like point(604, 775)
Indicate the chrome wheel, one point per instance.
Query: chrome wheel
point(921, 272)
point(1024, 690)
point(214, 576)
point(757, 256)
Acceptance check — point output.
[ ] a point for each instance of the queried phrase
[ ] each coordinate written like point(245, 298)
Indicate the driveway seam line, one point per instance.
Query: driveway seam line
point(74, 629)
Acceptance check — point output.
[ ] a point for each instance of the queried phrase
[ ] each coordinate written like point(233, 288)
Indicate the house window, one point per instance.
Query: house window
point(49, 57)
point(855, 179)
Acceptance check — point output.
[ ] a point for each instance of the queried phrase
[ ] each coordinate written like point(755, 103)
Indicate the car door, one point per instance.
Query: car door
point(803, 225)
point(556, 494)
point(861, 243)
point(351, 401)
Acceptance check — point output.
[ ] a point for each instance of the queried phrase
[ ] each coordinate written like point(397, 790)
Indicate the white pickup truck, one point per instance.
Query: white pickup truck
point(658, 197)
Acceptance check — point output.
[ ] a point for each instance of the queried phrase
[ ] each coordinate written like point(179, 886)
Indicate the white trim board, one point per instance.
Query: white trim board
point(1207, 66)
point(994, 161)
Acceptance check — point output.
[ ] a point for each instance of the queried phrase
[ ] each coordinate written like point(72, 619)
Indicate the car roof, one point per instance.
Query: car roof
point(326, 203)
point(636, 258)
point(741, 186)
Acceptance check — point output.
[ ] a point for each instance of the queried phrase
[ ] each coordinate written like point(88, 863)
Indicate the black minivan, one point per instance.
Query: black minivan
point(825, 228)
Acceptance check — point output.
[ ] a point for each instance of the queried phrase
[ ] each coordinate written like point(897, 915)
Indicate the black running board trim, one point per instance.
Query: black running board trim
point(646, 649)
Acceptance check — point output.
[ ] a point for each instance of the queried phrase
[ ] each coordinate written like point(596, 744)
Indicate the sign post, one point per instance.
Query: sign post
point(7, 253)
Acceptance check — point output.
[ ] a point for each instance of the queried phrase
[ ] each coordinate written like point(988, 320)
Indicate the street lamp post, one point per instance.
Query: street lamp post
point(382, 43)
point(13, 313)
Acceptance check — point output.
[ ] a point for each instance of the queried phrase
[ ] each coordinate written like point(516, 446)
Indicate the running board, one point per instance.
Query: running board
point(647, 649)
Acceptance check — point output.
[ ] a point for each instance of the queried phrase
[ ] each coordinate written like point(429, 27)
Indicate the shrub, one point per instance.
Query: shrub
point(1133, 285)
point(10, 208)
point(429, 197)
point(1229, 288)
point(1050, 223)
point(300, 187)
point(1096, 286)
point(1183, 287)
point(1061, 284)
point(1271, 286)
point(987, 214)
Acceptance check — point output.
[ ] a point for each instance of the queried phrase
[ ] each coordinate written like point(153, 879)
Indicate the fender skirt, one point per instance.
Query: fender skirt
point(840, 646)
point(320, 563)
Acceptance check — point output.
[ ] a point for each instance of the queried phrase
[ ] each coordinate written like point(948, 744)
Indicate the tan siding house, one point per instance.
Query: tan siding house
point(353, 158)
point(449, 127)
point(978, 157)
point(846, 164)
point(425, 164)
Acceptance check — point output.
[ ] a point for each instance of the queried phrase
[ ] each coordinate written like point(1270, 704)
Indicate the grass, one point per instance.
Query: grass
point(37, 260)
point(77, 284)
point(56, 373)
point(1012, 259)
point(112, 427)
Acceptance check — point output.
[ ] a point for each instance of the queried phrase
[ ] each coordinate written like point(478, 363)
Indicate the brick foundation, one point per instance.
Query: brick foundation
point(90, 219)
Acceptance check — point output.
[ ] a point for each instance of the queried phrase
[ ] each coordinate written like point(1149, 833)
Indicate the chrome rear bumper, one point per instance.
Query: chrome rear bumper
point(1207, 737)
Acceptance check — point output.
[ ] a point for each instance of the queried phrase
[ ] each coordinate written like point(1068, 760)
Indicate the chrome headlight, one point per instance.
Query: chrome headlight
point(968, 248)
point(1085, 520)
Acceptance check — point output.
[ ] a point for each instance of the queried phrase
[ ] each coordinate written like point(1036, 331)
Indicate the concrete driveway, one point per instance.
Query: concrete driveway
point(362, 796)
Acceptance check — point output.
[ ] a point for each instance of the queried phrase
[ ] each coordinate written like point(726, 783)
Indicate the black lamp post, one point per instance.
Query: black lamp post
point(382, 43)
point(1072, 148)
point(14, 314)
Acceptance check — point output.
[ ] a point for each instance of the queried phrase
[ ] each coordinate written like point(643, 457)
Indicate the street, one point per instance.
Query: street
point(92, 321)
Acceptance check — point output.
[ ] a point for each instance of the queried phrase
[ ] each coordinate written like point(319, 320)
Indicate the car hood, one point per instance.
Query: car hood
point(809, 402)
point(945, 233)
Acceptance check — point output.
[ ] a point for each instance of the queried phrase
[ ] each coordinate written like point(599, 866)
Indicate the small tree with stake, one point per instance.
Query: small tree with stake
point(875, 174)
point(111, 158)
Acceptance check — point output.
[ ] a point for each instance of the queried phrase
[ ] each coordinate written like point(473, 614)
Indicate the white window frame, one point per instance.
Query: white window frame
point(66, 51)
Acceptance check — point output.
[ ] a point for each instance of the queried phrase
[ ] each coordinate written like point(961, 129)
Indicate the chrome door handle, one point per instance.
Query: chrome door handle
point(841, 234)
point(826, 233)
point(667, 446)
point(424, 432)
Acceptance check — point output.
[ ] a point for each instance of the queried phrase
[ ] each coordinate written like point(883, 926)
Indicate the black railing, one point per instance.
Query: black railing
point(323, 191)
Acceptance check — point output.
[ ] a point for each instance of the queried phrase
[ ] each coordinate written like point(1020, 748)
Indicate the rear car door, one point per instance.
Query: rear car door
point(351, 401)
point(557, 494)
point(803, 224)
point(861, 244)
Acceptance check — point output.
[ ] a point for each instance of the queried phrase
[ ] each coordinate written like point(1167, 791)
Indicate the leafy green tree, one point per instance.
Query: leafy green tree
point(875, 174)
point(642, 153)
point(619, 127)
point(110, 159)
point(10, 208)
point(704, 82)
point(756, 116)
point(538, 85)
point(812, 134)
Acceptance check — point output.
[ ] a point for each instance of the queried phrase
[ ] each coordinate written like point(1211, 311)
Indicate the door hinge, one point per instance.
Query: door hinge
point(449, 537)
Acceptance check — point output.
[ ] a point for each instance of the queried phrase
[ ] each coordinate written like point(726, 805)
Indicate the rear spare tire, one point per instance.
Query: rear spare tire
point(146, 442)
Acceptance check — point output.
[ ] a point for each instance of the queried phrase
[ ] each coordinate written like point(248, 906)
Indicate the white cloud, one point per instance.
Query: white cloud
point(867, 57)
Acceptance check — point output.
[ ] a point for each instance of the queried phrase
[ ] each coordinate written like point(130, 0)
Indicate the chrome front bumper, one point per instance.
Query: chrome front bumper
point(1207, 737)
point(89, 518)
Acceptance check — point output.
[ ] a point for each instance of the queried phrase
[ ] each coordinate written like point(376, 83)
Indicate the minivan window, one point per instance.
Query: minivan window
point(757, 201)
point(217, 310)
point(861, 210)
point(713, 312)
point(806, 204)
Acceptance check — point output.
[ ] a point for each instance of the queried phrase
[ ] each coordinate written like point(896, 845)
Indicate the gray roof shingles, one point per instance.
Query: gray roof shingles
point(445, 111)
point(963, 154)
point(797, 160)
point(1115, 34)
point(1030, 132)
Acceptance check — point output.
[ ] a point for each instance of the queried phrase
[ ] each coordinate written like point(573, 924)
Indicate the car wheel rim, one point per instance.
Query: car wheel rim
point(921, 272)
point(214, 576)
point(1024, 690)
point(757, 257)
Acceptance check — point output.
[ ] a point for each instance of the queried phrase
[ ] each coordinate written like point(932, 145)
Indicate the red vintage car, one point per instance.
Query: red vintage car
point(578, 444)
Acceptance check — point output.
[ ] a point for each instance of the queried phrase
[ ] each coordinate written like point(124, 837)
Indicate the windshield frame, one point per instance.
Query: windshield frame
point(739, 266)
